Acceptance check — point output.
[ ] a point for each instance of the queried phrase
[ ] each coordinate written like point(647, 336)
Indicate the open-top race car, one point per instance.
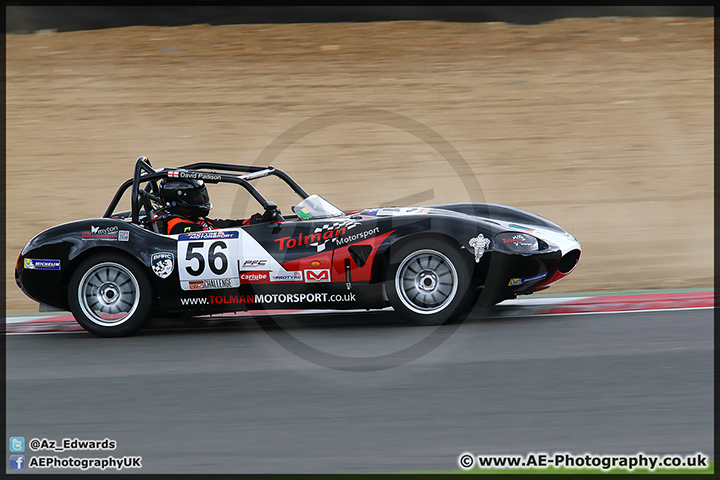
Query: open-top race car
point(431, 264)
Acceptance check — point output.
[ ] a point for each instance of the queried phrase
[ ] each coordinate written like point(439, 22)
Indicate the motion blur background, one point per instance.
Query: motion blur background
point(599, 118)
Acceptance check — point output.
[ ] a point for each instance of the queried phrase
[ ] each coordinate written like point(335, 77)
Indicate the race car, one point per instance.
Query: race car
point(431, 264)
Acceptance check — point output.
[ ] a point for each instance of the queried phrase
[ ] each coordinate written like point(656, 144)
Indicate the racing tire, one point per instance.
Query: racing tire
point(428, 282)
point(110, 296)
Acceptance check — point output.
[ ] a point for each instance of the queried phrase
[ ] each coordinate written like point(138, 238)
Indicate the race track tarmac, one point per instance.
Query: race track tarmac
point(233, 400)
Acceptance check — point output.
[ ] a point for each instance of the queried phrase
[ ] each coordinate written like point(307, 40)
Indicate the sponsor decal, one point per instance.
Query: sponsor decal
point(304, 214)
point(254, 175)
point(518, 240)
point(392, 211)
point(514, 239)
point(269, 298)
point(211, 283)
point(37, 264)
point(123, 235)
point(210, 177)
point(315, 276)
point(479, 244)
point(319, 238)
point(286, 277)
point(254, 277)
point(354, 237)
point(102, 233)
point(207, 235)
point(162, 263)
point(514, 282)
point(520, 227)
point(303, 297)
point(254, 263)
point(218, 283)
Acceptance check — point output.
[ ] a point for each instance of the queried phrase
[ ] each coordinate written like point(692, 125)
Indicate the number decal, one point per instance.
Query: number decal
point(209, 260)
point(213, 255)
point(190, 254)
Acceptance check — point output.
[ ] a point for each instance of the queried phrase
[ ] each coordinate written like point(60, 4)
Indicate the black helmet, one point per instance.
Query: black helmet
point(185, 196)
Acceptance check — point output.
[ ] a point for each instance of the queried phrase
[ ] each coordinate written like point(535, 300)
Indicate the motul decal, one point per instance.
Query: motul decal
point(317, 275)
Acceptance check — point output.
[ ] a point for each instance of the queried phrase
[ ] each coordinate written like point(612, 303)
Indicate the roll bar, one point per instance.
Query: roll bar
point(219, 172)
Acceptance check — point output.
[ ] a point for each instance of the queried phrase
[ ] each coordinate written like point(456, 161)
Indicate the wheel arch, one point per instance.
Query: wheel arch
point(85, 254)
point(382, 258)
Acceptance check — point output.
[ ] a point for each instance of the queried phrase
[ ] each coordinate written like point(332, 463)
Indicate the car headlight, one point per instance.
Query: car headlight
point(514, 242)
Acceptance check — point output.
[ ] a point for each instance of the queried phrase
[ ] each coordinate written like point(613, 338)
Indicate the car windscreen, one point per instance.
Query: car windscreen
point(315, 206)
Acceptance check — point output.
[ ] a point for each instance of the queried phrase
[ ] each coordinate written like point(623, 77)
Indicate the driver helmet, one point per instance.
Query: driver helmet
point(185, 196)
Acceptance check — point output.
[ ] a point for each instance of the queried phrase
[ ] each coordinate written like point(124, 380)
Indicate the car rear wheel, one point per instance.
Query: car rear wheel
point(428, 282)
point(109, 295)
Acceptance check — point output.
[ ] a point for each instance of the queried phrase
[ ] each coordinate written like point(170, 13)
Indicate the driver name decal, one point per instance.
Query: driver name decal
point(210, 177)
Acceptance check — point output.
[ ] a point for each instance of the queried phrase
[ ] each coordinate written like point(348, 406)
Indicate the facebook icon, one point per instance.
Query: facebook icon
point(17, 462)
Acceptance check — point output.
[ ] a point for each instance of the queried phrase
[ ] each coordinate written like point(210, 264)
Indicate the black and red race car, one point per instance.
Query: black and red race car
point(431, 264)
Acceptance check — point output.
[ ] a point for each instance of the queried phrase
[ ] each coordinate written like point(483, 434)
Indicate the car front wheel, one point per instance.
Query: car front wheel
point(109, 295)
point(428, 282)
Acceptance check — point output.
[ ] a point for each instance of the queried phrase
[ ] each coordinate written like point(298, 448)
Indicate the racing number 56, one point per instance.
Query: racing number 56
point(196, 251)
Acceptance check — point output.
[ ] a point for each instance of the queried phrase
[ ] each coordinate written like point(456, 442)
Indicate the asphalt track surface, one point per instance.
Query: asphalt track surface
point(232, 399)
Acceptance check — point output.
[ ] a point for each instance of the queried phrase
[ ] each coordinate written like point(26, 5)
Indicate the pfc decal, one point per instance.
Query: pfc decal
point(254, 263)
point(514, 282)
point(319, 237)
point(34, 264)
point(315, 276)
point(162, 263)
point(254, 277)
point(286, 277)
point(479, 244)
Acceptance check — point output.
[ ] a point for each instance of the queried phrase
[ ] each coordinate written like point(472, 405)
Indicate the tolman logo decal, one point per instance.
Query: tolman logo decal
point(162, 263)
point(319, 238)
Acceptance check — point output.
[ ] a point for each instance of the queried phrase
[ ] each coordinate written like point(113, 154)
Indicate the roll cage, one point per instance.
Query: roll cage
point(143, 196)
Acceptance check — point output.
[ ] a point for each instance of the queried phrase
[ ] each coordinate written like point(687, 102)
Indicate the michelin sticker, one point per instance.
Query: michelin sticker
point(33, 264)
point(479, 244)
point(162, 263)
point(514, 282)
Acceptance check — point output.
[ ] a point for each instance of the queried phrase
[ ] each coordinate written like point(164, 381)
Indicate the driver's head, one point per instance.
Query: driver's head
point(186, 197)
